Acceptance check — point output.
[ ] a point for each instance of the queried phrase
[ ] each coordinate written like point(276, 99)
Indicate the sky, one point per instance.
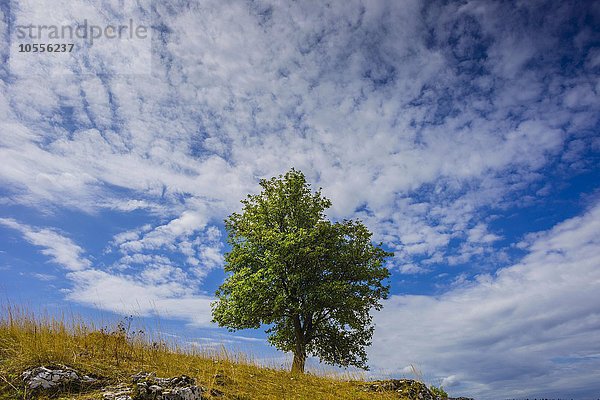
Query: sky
point(465, 135)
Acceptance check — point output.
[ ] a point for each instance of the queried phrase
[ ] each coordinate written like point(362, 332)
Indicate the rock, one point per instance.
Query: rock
point(147, 386)
point(406, 388)
point(141, 376)
point(56, 378)
point(119, 392)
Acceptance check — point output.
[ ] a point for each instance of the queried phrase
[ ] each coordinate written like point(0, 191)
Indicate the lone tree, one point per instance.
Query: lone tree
point(313, 281)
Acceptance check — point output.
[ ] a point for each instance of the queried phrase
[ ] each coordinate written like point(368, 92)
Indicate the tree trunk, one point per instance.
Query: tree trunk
point(300, 349)
point(298, 363)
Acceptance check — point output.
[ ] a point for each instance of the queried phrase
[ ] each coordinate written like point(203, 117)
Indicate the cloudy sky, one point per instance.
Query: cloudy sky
point(464, 134)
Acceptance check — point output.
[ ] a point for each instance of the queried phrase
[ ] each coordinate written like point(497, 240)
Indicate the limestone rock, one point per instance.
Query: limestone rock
point(119, 392)
point(148, 387)
point(57, 378)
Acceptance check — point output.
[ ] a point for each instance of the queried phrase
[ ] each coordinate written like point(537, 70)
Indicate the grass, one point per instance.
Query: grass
point(114, 354)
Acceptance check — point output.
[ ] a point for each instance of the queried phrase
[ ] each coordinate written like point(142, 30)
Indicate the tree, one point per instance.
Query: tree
point(313, 281)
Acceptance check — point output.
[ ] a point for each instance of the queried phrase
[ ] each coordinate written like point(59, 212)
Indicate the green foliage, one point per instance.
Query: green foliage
point(439, 392)
point(313, 281)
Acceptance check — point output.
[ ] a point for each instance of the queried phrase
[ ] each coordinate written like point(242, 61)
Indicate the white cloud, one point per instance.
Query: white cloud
point(449, 381)
point(161, 288)
point(348, 94)
point(186, 234)
point(529, 328)
point(123, 294)
point(412, 269)
point(479, 234)
point(44, 277)
point(60, 249)
point(164, 235)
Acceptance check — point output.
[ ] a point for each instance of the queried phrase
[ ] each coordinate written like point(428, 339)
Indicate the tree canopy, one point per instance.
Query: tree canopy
point(312, 281)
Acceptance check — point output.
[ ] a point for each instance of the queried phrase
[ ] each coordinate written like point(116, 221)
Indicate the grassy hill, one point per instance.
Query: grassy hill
point(113, 355)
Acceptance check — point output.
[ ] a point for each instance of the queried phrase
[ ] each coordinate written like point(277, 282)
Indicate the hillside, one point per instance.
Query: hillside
point(108, 358)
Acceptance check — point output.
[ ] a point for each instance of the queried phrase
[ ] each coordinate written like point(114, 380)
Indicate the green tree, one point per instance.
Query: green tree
point(311, 280)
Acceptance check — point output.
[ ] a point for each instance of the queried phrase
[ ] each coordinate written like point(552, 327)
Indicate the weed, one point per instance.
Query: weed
point(438, 392)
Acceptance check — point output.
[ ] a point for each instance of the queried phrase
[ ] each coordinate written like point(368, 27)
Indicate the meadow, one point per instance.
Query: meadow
point(113, 353)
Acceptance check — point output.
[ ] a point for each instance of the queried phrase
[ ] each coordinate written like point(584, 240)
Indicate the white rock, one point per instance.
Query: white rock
point(46, 378)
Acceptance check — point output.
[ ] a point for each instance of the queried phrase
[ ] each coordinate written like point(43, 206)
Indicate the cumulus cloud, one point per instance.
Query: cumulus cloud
point(154, 247)
point(527, 329)
point(164, 235)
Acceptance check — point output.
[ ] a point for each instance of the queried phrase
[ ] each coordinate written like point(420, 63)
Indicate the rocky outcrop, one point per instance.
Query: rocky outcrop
point(406, 388)
point(119, 392)
point(147, 386)
point(60, 378)
point(55, 381)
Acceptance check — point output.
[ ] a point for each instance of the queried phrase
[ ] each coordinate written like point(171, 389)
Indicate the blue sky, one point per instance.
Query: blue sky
point(464, 134)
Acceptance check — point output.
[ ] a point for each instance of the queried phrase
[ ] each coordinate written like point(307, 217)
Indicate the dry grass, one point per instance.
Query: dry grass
point(115, 354)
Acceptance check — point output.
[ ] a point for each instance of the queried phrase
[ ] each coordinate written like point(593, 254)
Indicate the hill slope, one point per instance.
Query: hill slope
point(112, 356)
